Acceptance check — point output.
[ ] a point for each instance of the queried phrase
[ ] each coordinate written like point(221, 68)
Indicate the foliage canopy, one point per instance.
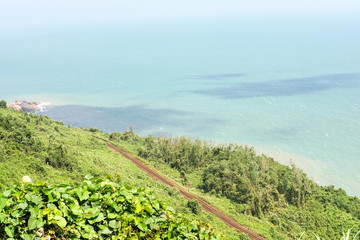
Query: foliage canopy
point(95, 209)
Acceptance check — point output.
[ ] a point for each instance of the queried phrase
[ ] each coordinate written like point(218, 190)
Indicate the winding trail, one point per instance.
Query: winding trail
point(206, 206)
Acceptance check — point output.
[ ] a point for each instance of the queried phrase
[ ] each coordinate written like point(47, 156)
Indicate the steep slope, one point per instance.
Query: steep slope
point(50, 152)
point(277, 201)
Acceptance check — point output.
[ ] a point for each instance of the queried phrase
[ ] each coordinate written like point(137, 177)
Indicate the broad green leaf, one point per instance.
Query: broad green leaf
point(96, 196)
point(92, 214)
point(2, 203)
point(14, 221)
point(116, 206)
point(57, 212)
point(76, 210)
point(138, 207)
point(67, 197)
point(34, 211)
point(156, 206)
point(81, 222)
point(35, 223)
point(40, 223)
point(114, 224)
point(15, 214)
point(9, 231)
point(88, 177)
point(82, 194)
point(127, 195)
point(60, 221)
point(142, 226)
point(89, 232)
point(7, 193)
point(99, 218)
point(51, 206)
point(106, 230)
point(61, 188)
point(56, 195)
point(33, 198)
point(23, 205)
point(65, 210)
point(149, 209)
point(93, 235)
point(32, 223)
point(111, 215)
point(170, 209)
point(2, 217)
point(148, 220)
point(107, 183)
point(157, 237)
point(121, 199)
point(50, 197)
point(28, 236)
point(46, 211)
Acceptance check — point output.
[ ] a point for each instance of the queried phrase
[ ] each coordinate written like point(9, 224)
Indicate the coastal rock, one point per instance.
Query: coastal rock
point(16, 107)
point(30, 107)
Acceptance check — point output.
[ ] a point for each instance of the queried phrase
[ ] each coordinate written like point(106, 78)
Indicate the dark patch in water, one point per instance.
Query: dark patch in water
point(217, 76)
point(287, 87)
point(111, 119)
point(121, 118)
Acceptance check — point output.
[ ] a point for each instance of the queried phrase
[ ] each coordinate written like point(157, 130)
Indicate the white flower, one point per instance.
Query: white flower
point(26, 179)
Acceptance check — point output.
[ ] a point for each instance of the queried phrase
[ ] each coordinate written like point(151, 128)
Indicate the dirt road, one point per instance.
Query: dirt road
point(206, 206)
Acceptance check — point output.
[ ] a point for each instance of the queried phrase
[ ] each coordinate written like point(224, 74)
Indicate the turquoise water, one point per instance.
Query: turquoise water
point(289, 87)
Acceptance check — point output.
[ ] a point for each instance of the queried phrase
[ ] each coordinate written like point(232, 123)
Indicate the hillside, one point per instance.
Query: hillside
point(276, 201)
point(48, 151)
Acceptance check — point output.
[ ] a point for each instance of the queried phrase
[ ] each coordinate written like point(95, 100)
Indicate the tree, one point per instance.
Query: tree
point(3, 104)
point(194, 206)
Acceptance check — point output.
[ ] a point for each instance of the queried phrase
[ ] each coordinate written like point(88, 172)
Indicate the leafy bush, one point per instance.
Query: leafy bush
point(3, 104)
point(95, 209)
point(194, 206)
point(93, 129)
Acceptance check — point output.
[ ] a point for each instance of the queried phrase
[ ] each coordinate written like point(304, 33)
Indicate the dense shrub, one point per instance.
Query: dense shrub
point(194, 206)
point(3, 104)
point(95, 209)
point(281, 195)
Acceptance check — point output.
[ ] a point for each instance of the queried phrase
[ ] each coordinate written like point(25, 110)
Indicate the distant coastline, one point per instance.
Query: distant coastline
point(110, 119)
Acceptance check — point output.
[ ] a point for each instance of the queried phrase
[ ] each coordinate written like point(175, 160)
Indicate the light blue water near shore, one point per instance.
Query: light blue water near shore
point(289, 87)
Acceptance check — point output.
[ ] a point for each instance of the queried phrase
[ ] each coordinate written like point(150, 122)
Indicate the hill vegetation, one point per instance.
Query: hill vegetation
point(96, 209)
point(51, 153)
point(276, 201)
point(282, 199)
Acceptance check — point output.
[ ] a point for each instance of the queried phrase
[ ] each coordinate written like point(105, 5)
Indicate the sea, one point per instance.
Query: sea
point(288, 86)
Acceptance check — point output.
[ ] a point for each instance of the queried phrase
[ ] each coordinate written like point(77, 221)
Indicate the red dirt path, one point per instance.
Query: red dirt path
point(206, 206)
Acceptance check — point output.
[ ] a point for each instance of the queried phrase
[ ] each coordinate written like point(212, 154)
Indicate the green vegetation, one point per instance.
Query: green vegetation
point(95, 209)
point(3, 104)
point(48, 151)
point(280, 200)
point(194, 206)
point(276, 201)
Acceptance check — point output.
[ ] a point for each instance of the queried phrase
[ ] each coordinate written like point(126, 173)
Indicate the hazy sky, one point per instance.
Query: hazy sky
point(26, 13)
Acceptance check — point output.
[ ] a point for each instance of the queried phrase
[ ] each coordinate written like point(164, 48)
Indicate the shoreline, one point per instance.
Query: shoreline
point(29, 107)
point(322, 173)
